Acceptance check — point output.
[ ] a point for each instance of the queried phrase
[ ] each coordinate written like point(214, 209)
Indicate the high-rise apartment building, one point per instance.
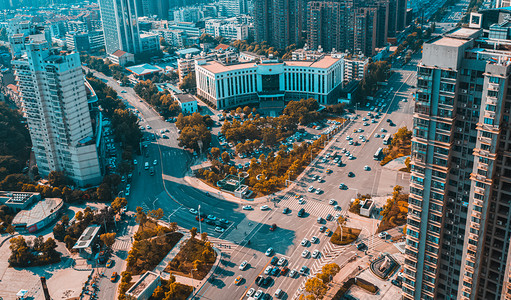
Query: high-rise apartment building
point(54, 100)
point(232, 8)
point(325, 25)
point(279, 22)
point(458, 228)
point(120, 25)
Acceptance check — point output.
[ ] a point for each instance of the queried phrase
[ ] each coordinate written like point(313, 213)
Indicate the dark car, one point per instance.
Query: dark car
point(259, 280)
point(396, 282)
point(351, 174)
point(274, 260)
point(273, 227)
point(266, 297)
point(329, 217)
point(361, 246)
point(286, 210)
point(201, 218)
point(267, 281)
point(322, 229)
point(389, 120)
point(219, 224)
point(210, 222)
point(301, 212)
point(275, 271)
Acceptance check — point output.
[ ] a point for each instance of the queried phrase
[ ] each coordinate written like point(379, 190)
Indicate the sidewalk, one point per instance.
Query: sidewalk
point(170, 256)
point(199, 184)
point(350, 269)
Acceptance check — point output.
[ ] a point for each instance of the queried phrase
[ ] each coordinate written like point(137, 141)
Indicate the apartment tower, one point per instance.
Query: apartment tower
point(458, 229)
point(120, 25)
point(54, 101)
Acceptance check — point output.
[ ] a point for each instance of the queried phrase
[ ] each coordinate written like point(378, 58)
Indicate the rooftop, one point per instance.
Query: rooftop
point(144, 69)
point(144, 281)
point(87, 237)
point(464, 33)
point(40, 211)
point(216, 67)
point(450, 42)
point(15, 197)
point(187, 51)
point(185, 98)
point(118, 53)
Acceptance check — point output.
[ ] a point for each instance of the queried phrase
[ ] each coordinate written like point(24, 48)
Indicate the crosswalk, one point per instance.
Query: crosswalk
point(122, 245)
point(223, 245)
point(312, 207)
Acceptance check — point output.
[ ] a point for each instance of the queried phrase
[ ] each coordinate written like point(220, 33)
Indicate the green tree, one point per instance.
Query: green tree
point(193, 232)
point(215, 152)
point(316, 287)
point(156, 213)
point(141, 216)
point(118, 204)
point(104, 192)
point(226, 157)
point(204, 236)
point(59, 232)
point(189, 82)
point(108, 239)
point(20, 252)
point(57, 178)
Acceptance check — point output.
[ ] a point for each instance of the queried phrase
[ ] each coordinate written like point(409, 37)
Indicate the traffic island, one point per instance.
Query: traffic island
point(344, 235)
point(195, 259)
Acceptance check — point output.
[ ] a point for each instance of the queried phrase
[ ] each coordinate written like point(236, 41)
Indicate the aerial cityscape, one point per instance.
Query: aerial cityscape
point(255, 149)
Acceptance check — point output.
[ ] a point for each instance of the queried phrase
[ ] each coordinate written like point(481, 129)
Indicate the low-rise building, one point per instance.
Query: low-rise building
point(85, 243)
point(144, 71)
point(144, 287)
point(150, 42)
point(227, 28)
point(229, 86)
point(18, 201)
point(187, 102)
point(121, 57)
point(38, 216)
point(355, 67)
point(367, 208)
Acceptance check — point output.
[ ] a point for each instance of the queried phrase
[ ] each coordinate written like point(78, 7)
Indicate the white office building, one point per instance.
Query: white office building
point(52, 90)
point(228, 86)
point(120, 26)
point(227, 28)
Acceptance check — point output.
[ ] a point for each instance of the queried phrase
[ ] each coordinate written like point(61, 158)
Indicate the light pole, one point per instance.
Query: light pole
point(200, 225)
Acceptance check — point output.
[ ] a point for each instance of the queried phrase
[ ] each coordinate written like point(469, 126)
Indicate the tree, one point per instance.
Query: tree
point(193, 232)
point(57, 178)
point(59, 232)
point(65, 220)
point(226, 157)
point(104, 192)
point(204, 236)
point(215, 152)
point(246, 110)
point(108, 239)
point(156, 213)
point(189, 82)
point(141, 216)
point(316, 287)
point(118, 204)
point(20, 252)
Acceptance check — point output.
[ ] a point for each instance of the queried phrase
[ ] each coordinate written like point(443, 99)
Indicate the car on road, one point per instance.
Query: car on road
point(292, 274)
point(332, 202)
point(113, 277)
point(361, 246)
point(314, 240)
point(146, 166)
point(219, 229)
point(367, 168)
point(247, 207)
point(269, 251)
point(310, 189)
point(201, 218)
point(109, 263)
point(301, 212)
point(211, 217)
point(250, 292)
point(193, 211)
point(224, 221)
point(286, 210)
point(135, 162)
point(383, 234)
point(351, 174)
point(238, 280)
point(304, 242)
point(305, 253)
point(243, 265)
point(258, 294)
point(265, 207)
point(155, 162)
point(315, 253)
point(268, 270)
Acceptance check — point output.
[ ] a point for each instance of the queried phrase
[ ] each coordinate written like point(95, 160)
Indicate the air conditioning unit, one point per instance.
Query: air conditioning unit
point(463, 91)
point(499, 222)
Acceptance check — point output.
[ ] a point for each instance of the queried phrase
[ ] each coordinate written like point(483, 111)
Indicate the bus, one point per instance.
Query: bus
point(386, 141)
point(378, 154)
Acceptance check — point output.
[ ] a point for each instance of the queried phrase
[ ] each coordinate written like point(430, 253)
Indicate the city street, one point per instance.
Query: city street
point(249, 236)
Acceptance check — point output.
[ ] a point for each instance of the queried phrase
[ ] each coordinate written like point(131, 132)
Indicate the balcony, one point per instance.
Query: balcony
point(476, 214)
point(491, 100)
point(471, 248)
point(489, 114)
point(479, 191)
point(478, 203)
point(474, 237)
point(493, 87)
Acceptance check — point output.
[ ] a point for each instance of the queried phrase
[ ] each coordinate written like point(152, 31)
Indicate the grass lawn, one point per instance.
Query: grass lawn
point(194, 254)
point(349, 235)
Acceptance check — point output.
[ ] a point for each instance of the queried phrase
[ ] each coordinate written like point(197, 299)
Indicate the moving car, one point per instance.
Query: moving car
point(238, 280)
point(265, 207)
point(269, 251)
point(113, 277)
point(247, 207)
point(193, 211)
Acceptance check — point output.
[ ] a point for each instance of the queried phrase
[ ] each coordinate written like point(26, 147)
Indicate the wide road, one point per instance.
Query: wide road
point(167, 189)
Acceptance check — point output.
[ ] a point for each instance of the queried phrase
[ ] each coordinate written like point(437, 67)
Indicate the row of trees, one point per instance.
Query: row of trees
point(36, 253)
point(194, 134)
point(171, 290)
point(264, 49)
point(161, 101)
point(316, 287)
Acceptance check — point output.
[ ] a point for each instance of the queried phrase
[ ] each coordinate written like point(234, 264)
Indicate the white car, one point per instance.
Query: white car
point(310, 189)
point(219, 229)
point(382, 234)
point(315, 254)
point(155, 162)
point(318, 191)
point(305, 253)
point(258, 294)
point(247, 207)
point(367, 168)
point(351, 157)
point(301, 201)
point(269, 251)
point(348, 138)
point(268, 270)
point(314, 239)
point(243, 265)
point(135, 162)
point(281, 261)
point(319, 179)
point(383, 130)
point(265, 207)
point(250, 292)
point(148, 127)
point(193, 211)
point(304, 242)
point(331, 202)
